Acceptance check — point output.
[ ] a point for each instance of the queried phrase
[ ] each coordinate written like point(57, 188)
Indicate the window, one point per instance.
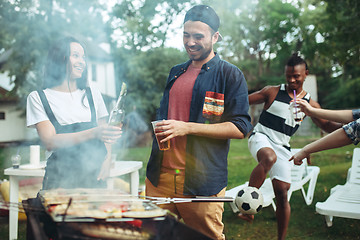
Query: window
point(93, 72)
point(2, 115)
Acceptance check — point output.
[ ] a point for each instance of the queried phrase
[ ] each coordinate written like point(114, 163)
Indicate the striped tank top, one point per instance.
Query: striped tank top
point(277, 122)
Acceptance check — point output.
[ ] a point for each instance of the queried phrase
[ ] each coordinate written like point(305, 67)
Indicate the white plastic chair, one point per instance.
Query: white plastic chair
point(344, 200)
point(300, 176)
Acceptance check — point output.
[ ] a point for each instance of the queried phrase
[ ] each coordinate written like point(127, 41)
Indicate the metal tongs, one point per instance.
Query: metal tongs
point(167, 200)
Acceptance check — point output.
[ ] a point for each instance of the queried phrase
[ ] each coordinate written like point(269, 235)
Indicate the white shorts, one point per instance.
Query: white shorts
point(281, 170)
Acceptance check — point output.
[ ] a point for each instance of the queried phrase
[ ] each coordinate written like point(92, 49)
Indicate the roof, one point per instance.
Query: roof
point(5, 96)
point(95, 52)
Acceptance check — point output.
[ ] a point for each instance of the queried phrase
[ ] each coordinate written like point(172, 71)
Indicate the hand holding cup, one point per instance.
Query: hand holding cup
point(163, 146)
point(296, 112)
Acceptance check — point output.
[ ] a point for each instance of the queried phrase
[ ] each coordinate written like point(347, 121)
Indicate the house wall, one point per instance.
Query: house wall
point(5, 81)
point(13, 127)
point(104, 79)
point(310, 85)
point(308, 127)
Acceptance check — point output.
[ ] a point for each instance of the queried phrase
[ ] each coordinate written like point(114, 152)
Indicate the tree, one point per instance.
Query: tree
point(342, 38)
point(139, 33)
point(258, 37)
point(29, 27)
point(145, 24)
point(331, 42)
point(145, 74)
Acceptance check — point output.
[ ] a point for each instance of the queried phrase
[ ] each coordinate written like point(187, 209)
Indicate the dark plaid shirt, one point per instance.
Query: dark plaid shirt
point(352, 129)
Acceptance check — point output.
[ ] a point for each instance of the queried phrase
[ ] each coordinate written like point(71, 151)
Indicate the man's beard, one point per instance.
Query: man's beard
point(203, 56)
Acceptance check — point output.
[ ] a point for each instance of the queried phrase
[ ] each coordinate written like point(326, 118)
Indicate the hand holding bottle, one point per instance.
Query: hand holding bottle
point(107, 133)
point(117, 118)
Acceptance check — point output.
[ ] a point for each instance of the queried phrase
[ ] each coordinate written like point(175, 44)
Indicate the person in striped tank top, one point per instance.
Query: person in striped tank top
point(269, 143)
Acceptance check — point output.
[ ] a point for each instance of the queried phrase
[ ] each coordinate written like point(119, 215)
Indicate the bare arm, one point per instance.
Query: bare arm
point(262, 95)
point(106, 165)
point(173, 128)
point(324, 124)
point(52, 140)
point(335, 139)
point(341, 116)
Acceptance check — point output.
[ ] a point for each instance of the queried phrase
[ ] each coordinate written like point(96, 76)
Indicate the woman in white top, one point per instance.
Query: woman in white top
point(70, 118)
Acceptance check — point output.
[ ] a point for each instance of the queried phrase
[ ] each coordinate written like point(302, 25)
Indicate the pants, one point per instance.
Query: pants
point(202, 216)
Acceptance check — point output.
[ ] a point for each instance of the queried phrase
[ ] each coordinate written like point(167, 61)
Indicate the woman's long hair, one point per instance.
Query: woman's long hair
point(57, 67)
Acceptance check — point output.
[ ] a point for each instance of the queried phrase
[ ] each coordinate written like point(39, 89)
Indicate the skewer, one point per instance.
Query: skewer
point(154, 200)
point(165, 200)
point(67, 208)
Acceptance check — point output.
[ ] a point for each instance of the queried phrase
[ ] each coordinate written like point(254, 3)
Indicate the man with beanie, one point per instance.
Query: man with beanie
point(205, 104)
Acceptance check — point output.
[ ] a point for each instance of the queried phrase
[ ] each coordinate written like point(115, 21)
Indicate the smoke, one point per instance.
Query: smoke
point(134, 129)
point(34, 27)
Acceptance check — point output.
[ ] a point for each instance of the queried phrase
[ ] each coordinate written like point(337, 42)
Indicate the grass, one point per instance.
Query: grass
point(304, 223)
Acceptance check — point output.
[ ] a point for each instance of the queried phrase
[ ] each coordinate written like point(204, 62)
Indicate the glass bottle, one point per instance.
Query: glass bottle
point(117, 114)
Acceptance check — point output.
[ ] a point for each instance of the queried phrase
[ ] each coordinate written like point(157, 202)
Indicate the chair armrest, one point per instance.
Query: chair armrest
point(348, 175)
point(335, 188)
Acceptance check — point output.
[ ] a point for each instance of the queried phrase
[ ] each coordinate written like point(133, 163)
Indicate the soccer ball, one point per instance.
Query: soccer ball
point(249, 200)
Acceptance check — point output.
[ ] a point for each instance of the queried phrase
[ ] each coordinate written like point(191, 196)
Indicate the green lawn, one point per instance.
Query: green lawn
point(304, 223)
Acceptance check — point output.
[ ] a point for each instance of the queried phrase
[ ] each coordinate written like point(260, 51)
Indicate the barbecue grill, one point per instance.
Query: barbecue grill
point(41, 225)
